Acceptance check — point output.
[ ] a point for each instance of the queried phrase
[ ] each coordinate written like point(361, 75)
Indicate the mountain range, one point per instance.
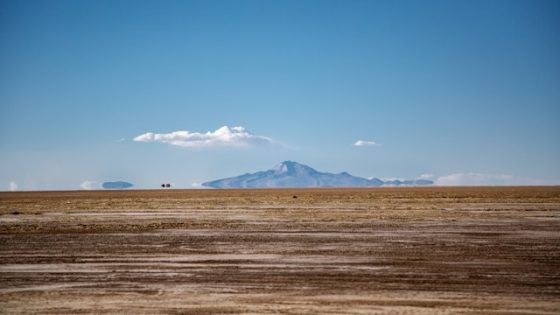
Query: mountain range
point(293, 174)
point(116, 185)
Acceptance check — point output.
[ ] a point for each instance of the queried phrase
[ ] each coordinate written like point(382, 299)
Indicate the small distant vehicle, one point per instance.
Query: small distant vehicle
point(165, 185)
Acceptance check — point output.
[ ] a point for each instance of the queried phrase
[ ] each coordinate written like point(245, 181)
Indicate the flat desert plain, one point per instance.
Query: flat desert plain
point(282, 251)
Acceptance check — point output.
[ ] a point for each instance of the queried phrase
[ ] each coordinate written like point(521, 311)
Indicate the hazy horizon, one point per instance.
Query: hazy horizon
point(183, 92)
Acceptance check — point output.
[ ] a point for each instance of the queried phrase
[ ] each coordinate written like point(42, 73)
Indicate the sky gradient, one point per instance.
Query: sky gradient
point(458, 91)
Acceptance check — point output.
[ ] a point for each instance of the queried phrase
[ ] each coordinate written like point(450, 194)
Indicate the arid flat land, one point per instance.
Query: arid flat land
point(305, 251)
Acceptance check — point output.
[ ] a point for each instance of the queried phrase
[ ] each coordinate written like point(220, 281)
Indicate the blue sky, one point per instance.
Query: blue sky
point(467, 91)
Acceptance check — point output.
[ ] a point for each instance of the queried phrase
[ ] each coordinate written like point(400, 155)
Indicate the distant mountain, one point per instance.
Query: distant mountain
point(116, 185)
point(293, 174)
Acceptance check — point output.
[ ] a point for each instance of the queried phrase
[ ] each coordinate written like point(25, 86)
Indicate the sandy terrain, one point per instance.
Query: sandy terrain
point(328, 251)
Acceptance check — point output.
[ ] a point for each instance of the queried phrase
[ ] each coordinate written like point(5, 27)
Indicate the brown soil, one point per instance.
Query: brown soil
point(328, 251)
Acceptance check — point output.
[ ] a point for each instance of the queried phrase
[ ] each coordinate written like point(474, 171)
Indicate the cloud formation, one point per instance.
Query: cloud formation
point(426, 176)
point(13, 186)
point(478, 179)
point(87, 185)
point(222, 137)
point(197, 186)
point(365, 143)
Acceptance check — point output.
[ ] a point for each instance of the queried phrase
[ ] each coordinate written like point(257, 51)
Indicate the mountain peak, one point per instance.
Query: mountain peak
point(293, 174)
point(289, 163)
point(292, 167)
point(283, 166)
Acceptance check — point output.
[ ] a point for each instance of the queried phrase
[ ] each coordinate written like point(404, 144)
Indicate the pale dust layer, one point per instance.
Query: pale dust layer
point(323, 251)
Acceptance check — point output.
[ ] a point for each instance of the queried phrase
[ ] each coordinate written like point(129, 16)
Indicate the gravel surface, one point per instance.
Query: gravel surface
point(328, 251)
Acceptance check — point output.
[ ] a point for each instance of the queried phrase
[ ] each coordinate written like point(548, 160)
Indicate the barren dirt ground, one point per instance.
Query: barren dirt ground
point(322, 251)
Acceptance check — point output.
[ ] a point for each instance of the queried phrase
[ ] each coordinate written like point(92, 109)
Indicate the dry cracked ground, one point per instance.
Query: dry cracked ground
point(307, 251)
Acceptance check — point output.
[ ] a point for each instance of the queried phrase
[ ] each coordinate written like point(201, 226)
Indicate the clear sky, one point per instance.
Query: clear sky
point(457, 91)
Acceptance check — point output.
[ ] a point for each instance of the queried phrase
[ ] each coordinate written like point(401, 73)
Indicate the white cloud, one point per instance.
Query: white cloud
point(478, 179)
point(225, 136)
point(87, 185)
point(386, 179)
point(13, 186)
point(365, 143)
point(197, 186)
point(427, 176)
